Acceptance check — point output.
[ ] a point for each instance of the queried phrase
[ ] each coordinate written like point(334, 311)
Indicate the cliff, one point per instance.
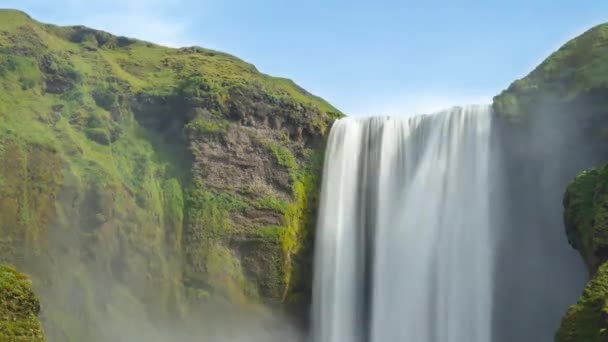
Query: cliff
point(172, 176)
point(555, 120)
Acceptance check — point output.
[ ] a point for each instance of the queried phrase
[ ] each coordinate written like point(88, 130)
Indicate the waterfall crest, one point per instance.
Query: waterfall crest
point(404, 243)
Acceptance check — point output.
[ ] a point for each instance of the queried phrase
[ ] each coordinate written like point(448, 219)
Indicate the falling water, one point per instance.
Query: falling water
point(404, 245)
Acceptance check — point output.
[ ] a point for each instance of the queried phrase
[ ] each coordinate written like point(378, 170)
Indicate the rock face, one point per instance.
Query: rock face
point(19, 308)
point(151, 178)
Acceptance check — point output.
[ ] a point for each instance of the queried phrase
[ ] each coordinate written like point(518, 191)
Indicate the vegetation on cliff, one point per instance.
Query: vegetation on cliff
point(19, 308)
point(586, 218)
point(575, 74)
point(183, 173)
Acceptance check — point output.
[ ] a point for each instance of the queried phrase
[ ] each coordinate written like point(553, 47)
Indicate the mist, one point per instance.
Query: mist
point(89, 304)
point(118, 279)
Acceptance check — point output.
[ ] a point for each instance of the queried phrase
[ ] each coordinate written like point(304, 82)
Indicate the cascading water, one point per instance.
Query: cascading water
point(404, 245)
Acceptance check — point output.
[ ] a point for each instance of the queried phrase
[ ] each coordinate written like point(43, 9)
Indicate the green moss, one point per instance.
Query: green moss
point(32, 176)
point(295, 237)
point(231, 202)
point(576, 69)
point(298, 222)
point(272, 203)
point(105, 95)
point(586, 215)
point(173, 199)
point(587, 320)
point(174, 202)
point(283, 156)
point(226, 275)
point(20, 70)
point(201, 125)
point(98, 135)
point(200, 200)
point(299, 217)
point(19, 308)
point(196, 90)
point(586, 218)
point(507, 105)
point(270, 233)
point(8, 64)
point(580, 61)
point(208, 226)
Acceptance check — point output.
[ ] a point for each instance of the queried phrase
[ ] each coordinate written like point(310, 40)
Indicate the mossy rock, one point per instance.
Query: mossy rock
point(587, 320)
point(19, 308)
point(586, 216)
point(586, 219)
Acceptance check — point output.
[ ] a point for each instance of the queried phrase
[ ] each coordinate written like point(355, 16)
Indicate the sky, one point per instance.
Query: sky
point(383, 57)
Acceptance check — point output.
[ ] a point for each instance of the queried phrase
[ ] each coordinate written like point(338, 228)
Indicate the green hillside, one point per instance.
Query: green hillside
point(123, 165)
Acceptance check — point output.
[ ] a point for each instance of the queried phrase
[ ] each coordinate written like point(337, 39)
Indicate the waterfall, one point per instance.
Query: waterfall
point(404, 239)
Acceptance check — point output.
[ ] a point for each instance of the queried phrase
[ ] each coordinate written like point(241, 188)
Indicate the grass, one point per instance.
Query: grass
point(201, 126)
point(577, 68)
point(284, 157)
point(586, 320)
point(270, 233)
point(272, 203)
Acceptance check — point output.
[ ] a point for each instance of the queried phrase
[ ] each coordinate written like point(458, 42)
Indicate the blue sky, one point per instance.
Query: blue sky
point(365, 57)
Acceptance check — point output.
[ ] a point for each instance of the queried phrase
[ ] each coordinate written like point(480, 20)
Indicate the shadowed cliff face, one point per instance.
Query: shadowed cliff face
point(553, 125)
point(537, 274)
point(153, 192)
